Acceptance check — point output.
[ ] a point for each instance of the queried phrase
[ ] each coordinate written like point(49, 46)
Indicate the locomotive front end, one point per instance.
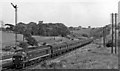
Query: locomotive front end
point(18, 59)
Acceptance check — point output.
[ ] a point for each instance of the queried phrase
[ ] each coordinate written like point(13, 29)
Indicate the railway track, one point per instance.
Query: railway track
point(11, 68)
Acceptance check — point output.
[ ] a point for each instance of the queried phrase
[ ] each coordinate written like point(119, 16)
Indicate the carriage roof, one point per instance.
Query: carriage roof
point(32, 48)
point(63, 43)
point(58, 44)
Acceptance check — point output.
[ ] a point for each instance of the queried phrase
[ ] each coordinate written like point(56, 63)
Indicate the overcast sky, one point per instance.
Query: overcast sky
point(85, 13)
point(119, 11)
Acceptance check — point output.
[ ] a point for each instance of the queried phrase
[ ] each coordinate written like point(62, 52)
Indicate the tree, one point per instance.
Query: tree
point(62, 29)
point(46, 29)
point(32, 27)
point(30, 40)
point(84, 35)
point(27, 33)
point(40, 28)
point(110, 44)
point(10, 28)
point(20, 28)
point(2, 29)
point(23, 45)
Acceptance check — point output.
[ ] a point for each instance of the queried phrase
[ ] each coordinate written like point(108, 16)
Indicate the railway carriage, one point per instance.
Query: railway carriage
point(58, 48)
point(72, 44)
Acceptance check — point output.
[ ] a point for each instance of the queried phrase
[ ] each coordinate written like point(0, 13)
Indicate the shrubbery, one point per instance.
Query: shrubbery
point(7, 48)
point(84, 35)
point(43, 29)
point(109, 44)
point(23, 44)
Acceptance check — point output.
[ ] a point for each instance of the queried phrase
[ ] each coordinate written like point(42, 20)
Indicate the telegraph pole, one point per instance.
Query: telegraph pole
point(104, 36)
point(112, 15)
point(15, 6)
point(115, 33)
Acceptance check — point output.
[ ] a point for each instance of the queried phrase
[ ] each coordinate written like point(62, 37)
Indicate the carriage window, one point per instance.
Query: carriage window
point(62, 46)
point(47, 51)
point(17, 57)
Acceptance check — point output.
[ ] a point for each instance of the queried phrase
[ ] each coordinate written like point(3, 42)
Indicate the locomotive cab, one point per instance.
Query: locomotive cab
point(18, 60)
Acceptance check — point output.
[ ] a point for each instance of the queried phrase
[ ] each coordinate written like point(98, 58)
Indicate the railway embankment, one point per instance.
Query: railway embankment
point(92, 56)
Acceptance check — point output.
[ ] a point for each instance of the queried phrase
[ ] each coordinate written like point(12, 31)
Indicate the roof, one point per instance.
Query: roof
point(58, 44)
point(64, 43)
point(33, 48)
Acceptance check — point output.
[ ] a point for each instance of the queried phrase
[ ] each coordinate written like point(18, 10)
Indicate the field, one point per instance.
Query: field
point(9, 39)
point(79, 33)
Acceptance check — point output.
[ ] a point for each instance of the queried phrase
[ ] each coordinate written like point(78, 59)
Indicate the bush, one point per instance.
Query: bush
point(85, 35)
point(109, 44)
point(31, 41)
point(7, 48)
point(44, 43)
point(23, 44)
point(119, 42)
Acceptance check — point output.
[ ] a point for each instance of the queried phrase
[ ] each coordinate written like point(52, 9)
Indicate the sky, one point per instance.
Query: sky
point(118, 11)
point(94, 13)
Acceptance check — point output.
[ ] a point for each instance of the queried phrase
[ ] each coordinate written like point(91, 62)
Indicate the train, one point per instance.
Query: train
point(22, 59)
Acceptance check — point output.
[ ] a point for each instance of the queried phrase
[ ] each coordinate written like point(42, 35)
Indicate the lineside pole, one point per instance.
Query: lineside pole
point(112, 15)
point(104, 36)
point(16, 24)
point(15, 6)
point(115, 33)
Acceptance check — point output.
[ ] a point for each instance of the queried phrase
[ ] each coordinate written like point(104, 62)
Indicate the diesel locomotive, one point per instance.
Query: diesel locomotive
point(32, 55)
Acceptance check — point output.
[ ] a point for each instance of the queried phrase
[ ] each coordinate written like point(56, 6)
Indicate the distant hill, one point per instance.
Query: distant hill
point(81, 33)
point(98, 32)
point(89, 32)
